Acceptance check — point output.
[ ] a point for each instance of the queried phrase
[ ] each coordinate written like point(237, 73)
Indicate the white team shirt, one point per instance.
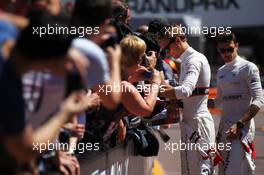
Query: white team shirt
point(195, 72)
point(238, 86)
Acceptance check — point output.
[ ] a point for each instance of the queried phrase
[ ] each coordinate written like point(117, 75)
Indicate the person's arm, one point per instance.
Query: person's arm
point(188, 85)
point(72, 106)
point(7, 47)
point(189, 81)
point(254, 84)
point(26, 145)
point(256, 92)
point(111, 98)
point(250, 113)
point(19, 21)
point(135, 103)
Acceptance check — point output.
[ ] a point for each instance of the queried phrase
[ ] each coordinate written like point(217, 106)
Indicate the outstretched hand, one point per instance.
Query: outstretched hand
point(167, 91)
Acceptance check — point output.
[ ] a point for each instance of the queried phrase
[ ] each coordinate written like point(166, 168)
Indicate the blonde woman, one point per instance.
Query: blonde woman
point(133, 51)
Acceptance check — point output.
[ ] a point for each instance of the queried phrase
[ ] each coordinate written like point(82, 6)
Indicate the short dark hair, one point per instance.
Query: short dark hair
point(91, 13)
point(226, 37)
point(119, 9)
point(174, 31)
point(34, 47)
point(151, 42)
point(156, 25)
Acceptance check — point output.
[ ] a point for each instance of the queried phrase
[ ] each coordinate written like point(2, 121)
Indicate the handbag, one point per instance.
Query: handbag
point(146, 142)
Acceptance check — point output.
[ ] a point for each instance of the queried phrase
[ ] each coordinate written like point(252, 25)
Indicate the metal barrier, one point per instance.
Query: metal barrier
point(119, 160)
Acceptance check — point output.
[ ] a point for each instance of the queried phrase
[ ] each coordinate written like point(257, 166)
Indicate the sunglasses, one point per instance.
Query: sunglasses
point(226, 50)
point(144, 61)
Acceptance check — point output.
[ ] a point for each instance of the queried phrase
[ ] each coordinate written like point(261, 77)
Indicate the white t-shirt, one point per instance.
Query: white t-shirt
point(99, 70)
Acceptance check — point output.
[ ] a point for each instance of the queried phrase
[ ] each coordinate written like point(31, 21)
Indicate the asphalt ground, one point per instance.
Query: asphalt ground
point(171, 161)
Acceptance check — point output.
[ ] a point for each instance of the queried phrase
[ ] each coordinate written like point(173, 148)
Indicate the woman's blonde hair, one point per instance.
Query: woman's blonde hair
point(133, 49)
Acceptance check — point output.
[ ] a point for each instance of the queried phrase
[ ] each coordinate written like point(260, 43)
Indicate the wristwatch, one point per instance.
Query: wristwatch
point(240, 124)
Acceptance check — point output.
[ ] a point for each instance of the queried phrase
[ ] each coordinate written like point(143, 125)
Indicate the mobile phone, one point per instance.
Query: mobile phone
point(147, 74)
point(82, 118)
point(74, 81)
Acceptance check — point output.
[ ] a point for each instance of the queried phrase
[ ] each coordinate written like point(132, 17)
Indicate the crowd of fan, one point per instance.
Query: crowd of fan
point(53, 88)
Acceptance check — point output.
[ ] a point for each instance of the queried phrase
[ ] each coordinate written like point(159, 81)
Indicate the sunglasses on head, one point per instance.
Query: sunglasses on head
point(149, 53)
point(226, 50)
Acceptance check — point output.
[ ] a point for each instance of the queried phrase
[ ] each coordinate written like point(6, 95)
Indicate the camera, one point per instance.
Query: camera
point(111, 41)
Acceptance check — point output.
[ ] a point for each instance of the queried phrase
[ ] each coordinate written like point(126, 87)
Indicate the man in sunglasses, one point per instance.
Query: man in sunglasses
point(240, 93)
point(193, 91)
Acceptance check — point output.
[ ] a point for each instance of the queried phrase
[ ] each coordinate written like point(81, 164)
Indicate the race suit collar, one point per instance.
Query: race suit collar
point(187, 52)
point(231, 63)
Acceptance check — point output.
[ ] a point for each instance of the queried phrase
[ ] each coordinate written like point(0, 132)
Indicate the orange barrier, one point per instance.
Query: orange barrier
point(212, 95)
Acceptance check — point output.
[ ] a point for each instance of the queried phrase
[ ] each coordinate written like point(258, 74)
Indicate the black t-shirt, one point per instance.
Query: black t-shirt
point(159, 65)
point(12, 112)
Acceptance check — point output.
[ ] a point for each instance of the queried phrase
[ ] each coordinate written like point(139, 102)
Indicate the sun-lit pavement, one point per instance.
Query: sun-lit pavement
point(171, 161)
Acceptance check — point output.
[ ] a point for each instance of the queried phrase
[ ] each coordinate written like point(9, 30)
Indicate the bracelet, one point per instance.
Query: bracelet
point(155, 83)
